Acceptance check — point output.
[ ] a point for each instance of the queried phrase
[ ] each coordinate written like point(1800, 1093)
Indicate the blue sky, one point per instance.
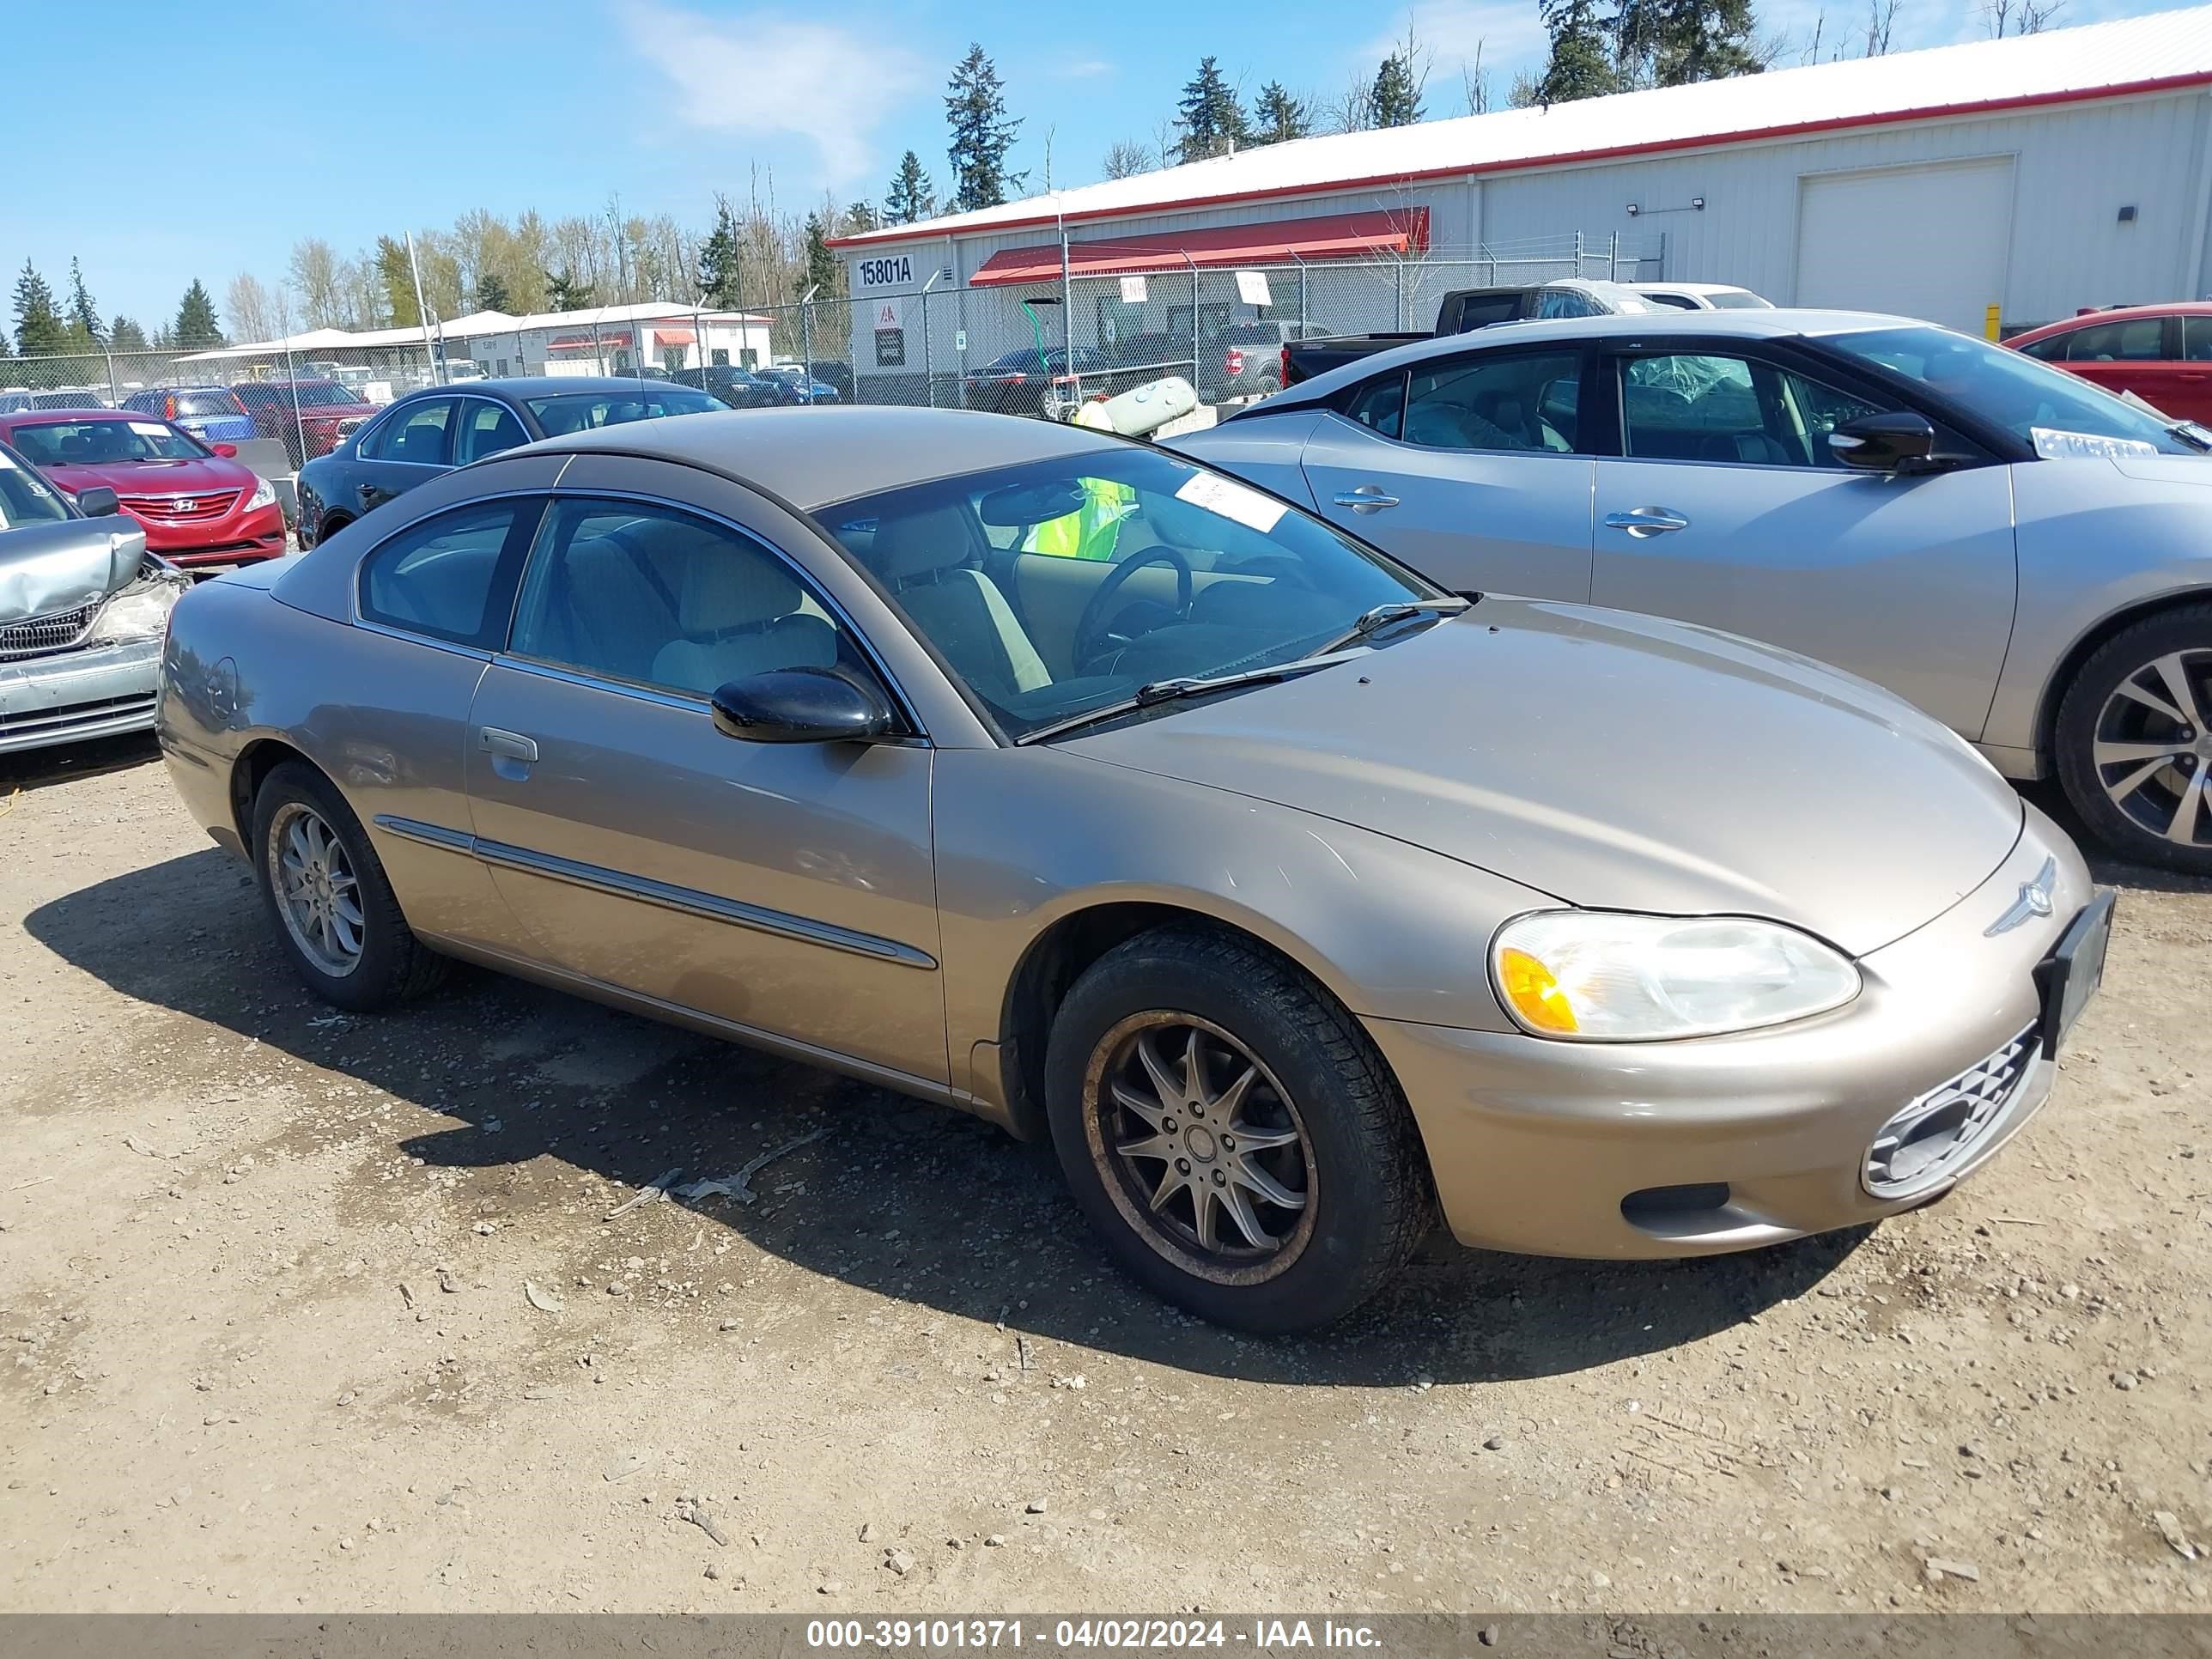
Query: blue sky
point(344, 121)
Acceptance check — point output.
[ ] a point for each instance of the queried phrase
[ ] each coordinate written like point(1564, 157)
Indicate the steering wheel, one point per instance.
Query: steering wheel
point(1092, 638)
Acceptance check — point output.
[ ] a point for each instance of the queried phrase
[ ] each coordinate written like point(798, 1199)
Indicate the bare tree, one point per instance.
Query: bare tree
point(2004, 17)
point(248, 306)
point(1350, 108)
point(1474, 81)
point(1127, 160)
point(1526, 91)
point(315, 277)
point(1881, 20)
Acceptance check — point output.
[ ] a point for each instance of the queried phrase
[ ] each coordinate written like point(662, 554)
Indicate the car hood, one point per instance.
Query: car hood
point(1617, 761)
point(208, 475)
point(47, 568)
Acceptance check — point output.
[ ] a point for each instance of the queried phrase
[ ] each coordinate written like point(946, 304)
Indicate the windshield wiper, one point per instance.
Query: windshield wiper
point(2192, 434)
point(1371, 623)
point(1159, 691)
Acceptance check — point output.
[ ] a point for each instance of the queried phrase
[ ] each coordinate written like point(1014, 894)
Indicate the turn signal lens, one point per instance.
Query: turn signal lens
point(1535, 992)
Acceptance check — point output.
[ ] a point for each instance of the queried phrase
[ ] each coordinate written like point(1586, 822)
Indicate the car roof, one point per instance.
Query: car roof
point(1637, 326)
point(1689, 288)
point(813, 457)
point(544, 385)
point(60, 415)
point(2118, 314)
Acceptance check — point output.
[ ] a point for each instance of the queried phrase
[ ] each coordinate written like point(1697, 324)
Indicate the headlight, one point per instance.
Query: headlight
point(1606, 976)
point(264, 494)
point(140, 612)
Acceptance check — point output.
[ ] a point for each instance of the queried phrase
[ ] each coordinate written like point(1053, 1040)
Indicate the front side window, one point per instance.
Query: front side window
point(2197, 339)
point(1495, 403)
point(441, 577)
point(1702, 407)
point(98, 443)
point(1268, 584)
point(2138, 340)
point(414, 434)
point(1380, 405)
point(24, 497)
point(485, 430)
point(649, 594)
point(2052, 349)
point(2005, 388)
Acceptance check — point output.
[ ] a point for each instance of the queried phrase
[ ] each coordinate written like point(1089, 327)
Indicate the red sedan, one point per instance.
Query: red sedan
point(2163, 354)
point(199, 507)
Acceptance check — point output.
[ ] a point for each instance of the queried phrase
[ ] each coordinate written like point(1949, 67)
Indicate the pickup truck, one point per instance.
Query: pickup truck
point(1464, 311)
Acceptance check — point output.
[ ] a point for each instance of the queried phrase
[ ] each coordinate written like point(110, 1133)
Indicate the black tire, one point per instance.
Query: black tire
point(330, 527)
point(1370, 1201)
point(2133, 831)
point(392, 965)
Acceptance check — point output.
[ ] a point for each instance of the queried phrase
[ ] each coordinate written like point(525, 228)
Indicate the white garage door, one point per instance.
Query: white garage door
point(1921, 242)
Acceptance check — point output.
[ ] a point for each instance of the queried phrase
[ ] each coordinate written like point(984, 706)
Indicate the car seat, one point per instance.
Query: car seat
point(740, 614)
point(925, 559)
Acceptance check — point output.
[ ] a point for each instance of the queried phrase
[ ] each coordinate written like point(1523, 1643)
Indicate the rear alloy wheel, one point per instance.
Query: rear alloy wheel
point(335, 912)
point(2134, 749)
point(1232, 1133)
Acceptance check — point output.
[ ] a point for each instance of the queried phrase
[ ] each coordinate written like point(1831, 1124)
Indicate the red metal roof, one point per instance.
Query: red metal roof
point(1329, 236)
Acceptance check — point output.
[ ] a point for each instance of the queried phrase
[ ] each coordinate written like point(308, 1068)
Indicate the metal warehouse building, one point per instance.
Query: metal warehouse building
point(2036, 175)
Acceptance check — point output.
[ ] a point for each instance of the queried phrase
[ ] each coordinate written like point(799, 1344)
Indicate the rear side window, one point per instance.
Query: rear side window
point(448, 576)
point(1494, 403)
point(2139, 340)
point(1381, 405)
point(416, 434)
point(2052, 351)
point(2197, 339)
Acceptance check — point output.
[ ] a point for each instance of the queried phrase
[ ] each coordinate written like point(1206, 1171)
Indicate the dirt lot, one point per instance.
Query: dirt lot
point(307, 1311)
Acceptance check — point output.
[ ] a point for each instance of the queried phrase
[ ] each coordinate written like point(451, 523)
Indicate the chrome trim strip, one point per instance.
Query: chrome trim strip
point(687, 900)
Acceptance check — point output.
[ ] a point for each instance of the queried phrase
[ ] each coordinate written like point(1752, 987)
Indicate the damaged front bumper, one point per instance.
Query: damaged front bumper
point(98, 692)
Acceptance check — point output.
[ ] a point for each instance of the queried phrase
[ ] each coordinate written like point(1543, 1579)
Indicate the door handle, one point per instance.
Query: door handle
point(508, 745)
point(1365, 498)
point(1644, 521)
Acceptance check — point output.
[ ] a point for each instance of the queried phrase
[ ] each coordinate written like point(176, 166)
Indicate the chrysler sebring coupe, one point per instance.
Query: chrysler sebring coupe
point(1068, 781)
point(2015, 552)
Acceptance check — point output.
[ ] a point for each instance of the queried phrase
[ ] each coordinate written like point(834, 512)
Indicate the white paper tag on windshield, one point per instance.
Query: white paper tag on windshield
point(6, 465)
point(2054, 444)
point(148, 429)
point(1232, 501)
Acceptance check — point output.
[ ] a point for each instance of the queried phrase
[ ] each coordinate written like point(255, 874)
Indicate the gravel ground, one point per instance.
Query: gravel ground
point(307, 1311)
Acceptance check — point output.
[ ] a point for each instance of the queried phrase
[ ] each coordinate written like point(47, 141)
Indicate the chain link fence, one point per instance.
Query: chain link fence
point(1038, 349)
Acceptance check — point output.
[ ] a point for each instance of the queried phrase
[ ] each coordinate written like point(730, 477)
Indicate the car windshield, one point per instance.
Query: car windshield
point(2009, 389)
point(580, 412)
point(24, 497)
point(100, 443)
point(1060, 587)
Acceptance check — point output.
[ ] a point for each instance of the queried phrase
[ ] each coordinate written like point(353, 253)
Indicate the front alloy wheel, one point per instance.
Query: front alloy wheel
point(2133, 745)
point(1200, 1148)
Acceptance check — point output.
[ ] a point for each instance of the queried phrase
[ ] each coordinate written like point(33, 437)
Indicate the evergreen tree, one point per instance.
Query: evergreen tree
point(1212, 119)
point(82, 315)
point(1396, 100)
point(564, 293)
point(492, 293)
point(39, 329)
point(976, 109)
point(1277, 117)
point(861, 217)
point(123, 335)
point(197, 328)
point(911, 196)
point(396, 278)
point(821, 272)
point(1671, 43)
point(1582, 63)
point(718, 260)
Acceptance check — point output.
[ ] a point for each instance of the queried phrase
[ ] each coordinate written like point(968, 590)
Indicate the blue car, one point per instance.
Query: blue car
point(795, 377)
point(210, 413)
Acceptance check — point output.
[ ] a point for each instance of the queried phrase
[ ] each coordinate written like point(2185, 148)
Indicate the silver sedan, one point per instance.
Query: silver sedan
point(2015, 551)
point(1080, 786)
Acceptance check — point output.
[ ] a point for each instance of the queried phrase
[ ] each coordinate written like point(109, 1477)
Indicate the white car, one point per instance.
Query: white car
point(2023, 555)
point(1702, 296)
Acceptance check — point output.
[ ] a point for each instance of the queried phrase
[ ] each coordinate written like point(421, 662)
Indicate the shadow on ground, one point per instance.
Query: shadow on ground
point(915, 1201)
point(41, 769)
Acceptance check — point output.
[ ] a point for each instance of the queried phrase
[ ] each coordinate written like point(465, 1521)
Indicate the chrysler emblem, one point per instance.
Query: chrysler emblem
point(2034, 900)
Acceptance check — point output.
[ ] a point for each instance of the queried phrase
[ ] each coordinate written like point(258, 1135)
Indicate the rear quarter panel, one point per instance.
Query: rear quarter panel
point(2093, 542)
point(1265, 449)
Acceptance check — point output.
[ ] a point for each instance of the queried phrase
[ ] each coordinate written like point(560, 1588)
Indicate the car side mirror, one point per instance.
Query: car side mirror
point(98, 503)
point(802, 705)
point(228, 452)
point(1894, 442)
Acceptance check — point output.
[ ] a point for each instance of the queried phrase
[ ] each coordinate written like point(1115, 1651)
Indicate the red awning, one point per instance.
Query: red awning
point(575, 343)
point(673, 337)
point(1331, 236)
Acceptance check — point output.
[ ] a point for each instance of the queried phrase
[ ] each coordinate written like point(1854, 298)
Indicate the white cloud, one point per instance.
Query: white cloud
point(761, 74)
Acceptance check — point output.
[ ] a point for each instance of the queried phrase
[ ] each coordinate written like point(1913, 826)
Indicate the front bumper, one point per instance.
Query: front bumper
point(241, 537)
point(74, 696)
point(1696, 1147)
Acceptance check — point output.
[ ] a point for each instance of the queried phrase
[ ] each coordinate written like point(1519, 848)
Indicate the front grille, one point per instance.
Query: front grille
point(351, 424)
point(166, 509)
point(1926, 1142)
point(43, 636)
point(58, 723)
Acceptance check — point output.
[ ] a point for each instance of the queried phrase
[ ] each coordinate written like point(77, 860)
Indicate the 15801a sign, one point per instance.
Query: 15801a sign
point(892, 270)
